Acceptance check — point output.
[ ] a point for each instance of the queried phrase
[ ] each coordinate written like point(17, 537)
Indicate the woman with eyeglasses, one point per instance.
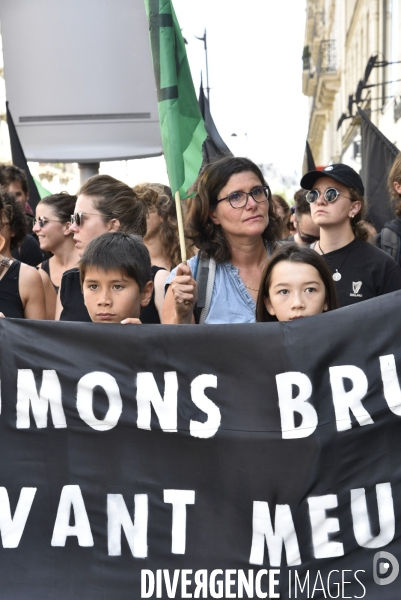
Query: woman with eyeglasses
point(232, 220)
point(104, 205)
point(21, 290)
point(359, 269)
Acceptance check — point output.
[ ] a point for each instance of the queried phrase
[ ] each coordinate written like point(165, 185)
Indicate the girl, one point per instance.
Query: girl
point(52, 223)
point(161, 237)
point(21, 289)
point(296, 283)
point(359, 269)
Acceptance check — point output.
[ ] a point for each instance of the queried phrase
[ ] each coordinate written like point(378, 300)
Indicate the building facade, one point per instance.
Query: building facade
point(341, 36)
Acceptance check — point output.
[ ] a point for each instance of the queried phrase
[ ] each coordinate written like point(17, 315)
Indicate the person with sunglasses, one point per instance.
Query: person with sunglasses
point(232, 220)
point(103, 205)
point(21, 290)
point(306, 231)
point(51, 227)
point(359, 269)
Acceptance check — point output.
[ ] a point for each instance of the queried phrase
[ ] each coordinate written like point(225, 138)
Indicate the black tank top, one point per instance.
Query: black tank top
point(46, 268)
point(10, 300)
point(74, 309)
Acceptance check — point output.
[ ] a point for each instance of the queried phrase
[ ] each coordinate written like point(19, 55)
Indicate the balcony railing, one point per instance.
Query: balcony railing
point(327, 57)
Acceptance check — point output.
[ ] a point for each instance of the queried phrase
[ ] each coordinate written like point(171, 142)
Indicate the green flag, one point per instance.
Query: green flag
point(43, 192)
point(182, 127)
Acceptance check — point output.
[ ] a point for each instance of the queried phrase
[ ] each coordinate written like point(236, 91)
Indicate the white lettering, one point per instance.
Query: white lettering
point(258, 589)
point(216, 588)
point(273, 582)
point(147, 583)
point(171, 587)
point(201, 583)
point(86, 385)
point(179, 499)
point(148, 395)
point(12, 528)
point(322, 526)
point(210, 427)
point(71, 498)
point(391, 385)
point(344, 402)
point(119, 518)
point(289, 405)
point(49, 395)
point(360, 516)
point(284, 532)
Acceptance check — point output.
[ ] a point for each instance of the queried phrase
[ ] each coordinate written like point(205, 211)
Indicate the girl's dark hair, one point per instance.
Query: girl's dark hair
point(15, 217)
point(198, 225)
point(63, 205)
point(395, 176)
point(298, 254)
point(118, 251)
point(116, 200)
point(158, 198)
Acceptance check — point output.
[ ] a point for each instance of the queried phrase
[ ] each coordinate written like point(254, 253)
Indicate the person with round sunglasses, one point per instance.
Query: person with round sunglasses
point(21, 290)
point(359, 269)
point(104, 205)
point(232, 221)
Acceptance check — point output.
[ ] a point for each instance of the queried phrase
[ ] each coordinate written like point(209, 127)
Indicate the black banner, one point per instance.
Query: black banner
point(244, 461)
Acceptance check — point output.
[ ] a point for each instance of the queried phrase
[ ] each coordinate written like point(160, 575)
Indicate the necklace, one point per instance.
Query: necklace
point(337, 274)
point(4, 264)
point(249, 288)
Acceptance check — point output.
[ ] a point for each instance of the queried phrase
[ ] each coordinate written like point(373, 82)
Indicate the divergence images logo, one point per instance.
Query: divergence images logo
point(385, 568)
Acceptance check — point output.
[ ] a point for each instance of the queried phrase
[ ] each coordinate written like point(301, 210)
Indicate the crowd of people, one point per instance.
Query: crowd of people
point(111, 254)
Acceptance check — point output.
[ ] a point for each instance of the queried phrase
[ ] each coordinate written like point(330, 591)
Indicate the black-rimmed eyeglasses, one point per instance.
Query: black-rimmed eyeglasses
point(330, 195)
point(260, 193)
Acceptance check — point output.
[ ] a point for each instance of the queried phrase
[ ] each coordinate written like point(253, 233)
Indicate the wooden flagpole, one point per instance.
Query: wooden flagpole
point(181, 235)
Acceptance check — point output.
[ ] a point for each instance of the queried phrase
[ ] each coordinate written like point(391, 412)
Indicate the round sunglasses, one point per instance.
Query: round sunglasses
point(42, 221)
point(330, 195)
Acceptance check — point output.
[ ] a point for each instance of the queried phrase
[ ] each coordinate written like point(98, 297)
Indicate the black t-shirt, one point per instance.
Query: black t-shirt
point(366, 272)
point(28, 252)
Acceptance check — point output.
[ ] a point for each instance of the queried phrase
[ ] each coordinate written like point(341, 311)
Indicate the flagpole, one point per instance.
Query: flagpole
point(181, 235)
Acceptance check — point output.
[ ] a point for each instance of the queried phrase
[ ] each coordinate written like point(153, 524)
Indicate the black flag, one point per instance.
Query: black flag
point(310, 163)
point(378, 155)
point(20, 161)
point(213, 146)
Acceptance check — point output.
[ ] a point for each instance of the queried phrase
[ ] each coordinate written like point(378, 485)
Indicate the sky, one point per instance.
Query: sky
point(255, 74)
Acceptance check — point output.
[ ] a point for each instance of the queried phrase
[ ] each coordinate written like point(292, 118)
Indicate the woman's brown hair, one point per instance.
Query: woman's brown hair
point(395, 177)
point(116, 200)
point(158, 198)
point(199, 227)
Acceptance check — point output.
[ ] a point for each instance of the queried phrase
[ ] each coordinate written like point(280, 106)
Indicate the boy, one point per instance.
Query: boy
point(116, 278)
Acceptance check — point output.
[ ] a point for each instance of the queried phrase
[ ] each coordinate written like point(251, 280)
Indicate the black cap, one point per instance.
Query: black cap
point(339, 172)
